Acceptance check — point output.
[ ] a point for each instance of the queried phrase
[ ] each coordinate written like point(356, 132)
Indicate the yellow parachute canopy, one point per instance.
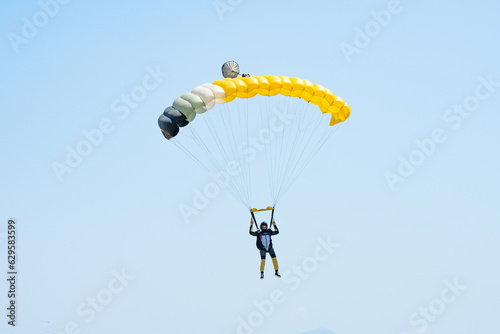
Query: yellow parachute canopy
point(270, 85)
point(202, 98)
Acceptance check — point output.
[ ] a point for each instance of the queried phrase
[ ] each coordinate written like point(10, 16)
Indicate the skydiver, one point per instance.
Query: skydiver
point(265, 245)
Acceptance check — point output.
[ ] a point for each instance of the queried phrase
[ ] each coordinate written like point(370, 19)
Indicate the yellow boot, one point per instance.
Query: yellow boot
point(262, 265)
point(275, 264)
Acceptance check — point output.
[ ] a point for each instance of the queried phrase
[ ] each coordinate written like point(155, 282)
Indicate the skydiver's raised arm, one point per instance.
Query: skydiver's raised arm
point(276, 231)
point(251, 228)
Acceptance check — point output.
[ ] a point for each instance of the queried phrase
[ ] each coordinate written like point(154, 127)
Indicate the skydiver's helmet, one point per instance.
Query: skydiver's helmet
point(262, 224)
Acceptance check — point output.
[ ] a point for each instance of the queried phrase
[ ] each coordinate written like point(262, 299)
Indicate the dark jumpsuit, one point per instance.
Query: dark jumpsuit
point(265, 245)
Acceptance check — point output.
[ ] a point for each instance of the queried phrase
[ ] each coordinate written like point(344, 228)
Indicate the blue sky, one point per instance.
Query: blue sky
point(111, 229)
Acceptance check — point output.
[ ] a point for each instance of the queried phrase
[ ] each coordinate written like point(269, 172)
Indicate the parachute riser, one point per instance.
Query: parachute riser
point(255, 220)
point(252, 212)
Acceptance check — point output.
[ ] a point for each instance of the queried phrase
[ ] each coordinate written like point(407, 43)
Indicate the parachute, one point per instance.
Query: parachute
point(231, 141)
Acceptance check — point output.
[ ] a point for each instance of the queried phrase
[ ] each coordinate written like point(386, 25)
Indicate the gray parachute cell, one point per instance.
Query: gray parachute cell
point(170, 121)
point(230, 69)
point(176, 116)
point(168, 128)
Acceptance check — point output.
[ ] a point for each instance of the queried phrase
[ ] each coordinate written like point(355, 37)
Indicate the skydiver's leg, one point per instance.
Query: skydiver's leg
point(262, 262)
point(275, 261)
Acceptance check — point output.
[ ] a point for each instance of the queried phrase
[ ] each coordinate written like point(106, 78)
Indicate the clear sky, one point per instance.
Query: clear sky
point(392, 228)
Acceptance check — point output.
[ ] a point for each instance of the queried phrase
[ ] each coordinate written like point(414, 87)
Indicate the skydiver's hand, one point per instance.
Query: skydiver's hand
point(274, 222)
point(251, 222)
